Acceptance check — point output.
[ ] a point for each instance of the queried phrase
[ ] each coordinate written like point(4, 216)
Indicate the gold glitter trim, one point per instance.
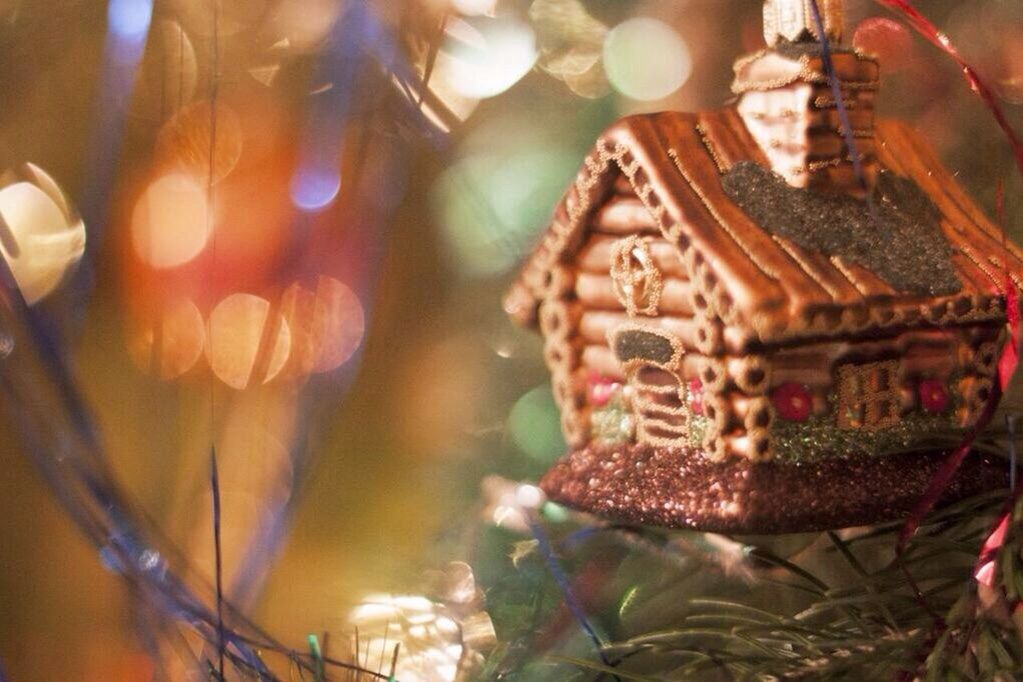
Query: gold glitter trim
point(806, 74)
point(834, 162)
point(718, 217)
point(660, 409)
point(829, 102)
point(637, 289)
point(1016, 279)
point(848, 274)
point(559, 326)
point(711, 149)
point(968, 252)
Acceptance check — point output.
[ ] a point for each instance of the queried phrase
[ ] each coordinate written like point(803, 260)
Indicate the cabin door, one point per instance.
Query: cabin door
point(651, 360)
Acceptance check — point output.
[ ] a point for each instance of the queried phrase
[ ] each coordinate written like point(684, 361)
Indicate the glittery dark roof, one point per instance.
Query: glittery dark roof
point(898, 238)
point(810, 48)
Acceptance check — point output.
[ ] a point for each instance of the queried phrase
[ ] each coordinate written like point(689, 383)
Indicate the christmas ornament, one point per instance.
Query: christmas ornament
point(41, 236)
point(799, 302)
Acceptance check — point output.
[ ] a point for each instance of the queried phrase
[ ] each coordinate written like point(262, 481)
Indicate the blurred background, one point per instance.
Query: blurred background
point(296, 252)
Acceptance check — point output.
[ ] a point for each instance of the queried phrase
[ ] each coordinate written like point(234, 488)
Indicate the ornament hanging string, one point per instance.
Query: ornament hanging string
point(565, 585)
point(218, 560)
point(843, 110)
point(214, 91)
point(986, 568)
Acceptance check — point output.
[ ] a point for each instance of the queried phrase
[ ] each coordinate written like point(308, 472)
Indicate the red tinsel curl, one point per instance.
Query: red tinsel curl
point(932, 33)
point(1009, 360)
point(985, 569)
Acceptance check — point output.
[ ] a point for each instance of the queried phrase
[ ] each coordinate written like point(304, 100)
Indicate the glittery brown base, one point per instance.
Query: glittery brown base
point(680, 488)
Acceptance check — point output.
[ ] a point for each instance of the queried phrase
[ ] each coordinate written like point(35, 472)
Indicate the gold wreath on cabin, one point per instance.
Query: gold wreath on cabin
point(636, 280)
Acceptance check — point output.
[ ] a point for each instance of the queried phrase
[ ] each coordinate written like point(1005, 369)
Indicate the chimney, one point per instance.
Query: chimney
point(792, 20)
point(788, 105)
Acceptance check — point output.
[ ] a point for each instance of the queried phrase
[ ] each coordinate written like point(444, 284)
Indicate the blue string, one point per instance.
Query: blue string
point(544, 545)
point(218, 558)
point(843, 112)
point(582, 535)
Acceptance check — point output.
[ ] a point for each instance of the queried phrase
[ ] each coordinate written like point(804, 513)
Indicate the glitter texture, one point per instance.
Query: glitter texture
point(613, 423)
point(821, 437)
point(803, 48)
point(639, 344)
point(681, 488)
point(901, 241)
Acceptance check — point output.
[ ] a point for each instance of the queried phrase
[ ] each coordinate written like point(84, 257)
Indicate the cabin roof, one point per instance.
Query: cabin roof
point(760, 284)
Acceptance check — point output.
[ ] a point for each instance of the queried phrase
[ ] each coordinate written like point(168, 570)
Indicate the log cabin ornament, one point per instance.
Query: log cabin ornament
point(745, 335)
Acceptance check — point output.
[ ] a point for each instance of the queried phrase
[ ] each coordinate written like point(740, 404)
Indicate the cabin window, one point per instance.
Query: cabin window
point(637, 281)
point(868, 395)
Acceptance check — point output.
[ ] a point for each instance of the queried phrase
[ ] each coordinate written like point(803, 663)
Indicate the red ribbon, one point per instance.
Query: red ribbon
point(985, 570)
point(939, 38)
point(1010, 357)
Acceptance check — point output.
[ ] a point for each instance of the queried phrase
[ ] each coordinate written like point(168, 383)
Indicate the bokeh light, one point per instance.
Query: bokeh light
point(314, 188)
point(429, 638)
point(571, 45)
point(234, 341)
point(509, 504)
point(447, 94)
point(170, 223)
point(646, 59)
point(327, 325)
point(39, 239)
point(393, 442)
point(889, 40)
point(482, 57)
point(129, 19)
point(233, 16)
point(184, 141)
point(474, 7)
point(169, 72)
point(265, 74)
point(535, 426)
point(302, 24)
point(492, 206)
point(172, 341)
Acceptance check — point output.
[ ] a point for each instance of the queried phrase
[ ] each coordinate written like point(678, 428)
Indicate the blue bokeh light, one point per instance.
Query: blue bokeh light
point(129, 19)
point(313, 189)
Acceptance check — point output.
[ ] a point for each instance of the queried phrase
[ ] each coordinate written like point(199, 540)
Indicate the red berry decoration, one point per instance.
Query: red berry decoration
point(601, 390)
point(696, 396)
point(793, 402)
point(933, 396)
